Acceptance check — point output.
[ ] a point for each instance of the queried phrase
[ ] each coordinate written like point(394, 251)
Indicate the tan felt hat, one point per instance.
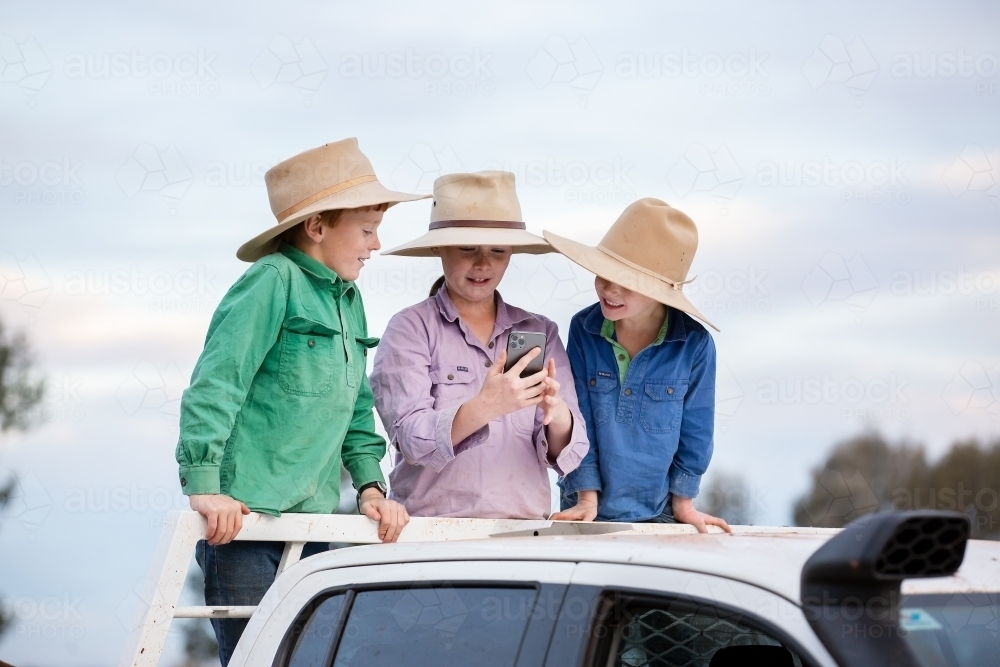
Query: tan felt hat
point(648, 250)
point(473, 210)
point(333, 176)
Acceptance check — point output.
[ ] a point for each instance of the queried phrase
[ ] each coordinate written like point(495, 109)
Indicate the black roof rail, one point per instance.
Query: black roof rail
point(851, 585)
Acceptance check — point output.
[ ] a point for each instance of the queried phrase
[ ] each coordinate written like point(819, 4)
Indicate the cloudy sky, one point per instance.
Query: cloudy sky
point(840, 161)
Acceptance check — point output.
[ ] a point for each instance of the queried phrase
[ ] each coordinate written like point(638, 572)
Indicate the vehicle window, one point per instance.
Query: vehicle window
point(434, 626)
point(678, 632)
point(315, 640)
point(960, 630)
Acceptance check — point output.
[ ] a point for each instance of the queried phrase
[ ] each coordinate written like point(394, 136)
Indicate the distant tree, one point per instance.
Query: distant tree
point(19, 390)
point(730, 497)
point(19, 393)
point(866, 474)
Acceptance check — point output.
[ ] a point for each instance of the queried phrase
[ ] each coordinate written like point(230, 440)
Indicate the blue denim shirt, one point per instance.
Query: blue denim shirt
point(651, 432)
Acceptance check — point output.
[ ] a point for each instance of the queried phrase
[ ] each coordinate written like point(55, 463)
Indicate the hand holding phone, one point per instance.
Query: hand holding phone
point(520, 343)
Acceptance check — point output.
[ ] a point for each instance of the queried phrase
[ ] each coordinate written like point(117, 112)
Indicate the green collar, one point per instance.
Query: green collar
point(622, 357)
point(316, 268)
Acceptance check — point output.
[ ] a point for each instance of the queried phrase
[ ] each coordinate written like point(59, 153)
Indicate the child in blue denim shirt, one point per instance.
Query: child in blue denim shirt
point(645, 375)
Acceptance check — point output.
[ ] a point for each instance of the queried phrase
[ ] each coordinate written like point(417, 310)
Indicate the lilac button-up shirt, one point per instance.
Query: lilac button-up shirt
point(428, 364)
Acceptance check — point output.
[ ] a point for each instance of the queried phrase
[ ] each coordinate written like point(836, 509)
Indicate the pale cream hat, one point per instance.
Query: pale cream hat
point(334, 176)
point(473, 210)
point(648, 250)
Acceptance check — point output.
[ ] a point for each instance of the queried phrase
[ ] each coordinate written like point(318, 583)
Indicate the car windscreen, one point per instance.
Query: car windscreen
point(952, 630)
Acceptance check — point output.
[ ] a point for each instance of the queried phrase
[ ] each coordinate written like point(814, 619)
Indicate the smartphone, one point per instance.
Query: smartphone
point(520, 343)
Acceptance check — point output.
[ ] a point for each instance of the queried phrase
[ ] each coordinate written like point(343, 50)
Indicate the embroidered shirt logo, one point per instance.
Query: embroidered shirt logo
point(603, 374)
point(464, 368)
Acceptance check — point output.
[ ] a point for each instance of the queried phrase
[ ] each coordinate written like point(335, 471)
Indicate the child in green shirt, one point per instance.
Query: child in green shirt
point(279, 397)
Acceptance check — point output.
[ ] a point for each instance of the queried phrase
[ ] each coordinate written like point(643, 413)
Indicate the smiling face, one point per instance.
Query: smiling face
point(472, 273)
point(347, 243)
point(618, 303)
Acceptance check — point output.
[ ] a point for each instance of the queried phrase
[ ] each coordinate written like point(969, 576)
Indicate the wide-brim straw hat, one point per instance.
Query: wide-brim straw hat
point(474, 210)
point(648, 250)
point(334, 176)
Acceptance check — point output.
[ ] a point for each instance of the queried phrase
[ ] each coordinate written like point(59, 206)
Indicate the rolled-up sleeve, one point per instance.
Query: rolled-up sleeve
point(694, 451)
point(574, 452)
point(401, 383)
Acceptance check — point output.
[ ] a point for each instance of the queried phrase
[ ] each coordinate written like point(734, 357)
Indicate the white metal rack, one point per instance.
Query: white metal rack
point(181, 531)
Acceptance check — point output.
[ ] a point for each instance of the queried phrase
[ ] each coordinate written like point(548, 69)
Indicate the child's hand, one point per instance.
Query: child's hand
point(553, 407)
point(684, 512)
point(504, 393)
point(224, 514)
point(391, 516)
point(584, 510)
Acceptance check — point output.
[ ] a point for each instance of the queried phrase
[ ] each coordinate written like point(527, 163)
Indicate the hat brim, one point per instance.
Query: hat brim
point(365, 194)
point(609, 268)
point(519, 240)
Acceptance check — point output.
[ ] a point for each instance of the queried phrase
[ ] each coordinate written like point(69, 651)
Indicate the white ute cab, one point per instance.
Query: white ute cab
point(907, 589)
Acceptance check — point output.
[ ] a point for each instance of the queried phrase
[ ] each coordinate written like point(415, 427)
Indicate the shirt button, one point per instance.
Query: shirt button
point(311, 343)
point(593, 382)
point(450, 376)
point(490, 346)
point(184, 481)
point(628, 392)
point(670, 390)
point(488, 363)
point(621, 357)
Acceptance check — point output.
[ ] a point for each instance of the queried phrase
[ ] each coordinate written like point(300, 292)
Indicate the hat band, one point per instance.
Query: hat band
point(322, 194)
point(486, 224)
point(673, 283)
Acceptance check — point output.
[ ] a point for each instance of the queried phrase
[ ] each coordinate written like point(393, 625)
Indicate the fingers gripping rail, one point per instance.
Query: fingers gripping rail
point(181, 531)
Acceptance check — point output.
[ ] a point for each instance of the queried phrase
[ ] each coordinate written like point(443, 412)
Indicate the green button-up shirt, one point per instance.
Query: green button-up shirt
point(279, 395)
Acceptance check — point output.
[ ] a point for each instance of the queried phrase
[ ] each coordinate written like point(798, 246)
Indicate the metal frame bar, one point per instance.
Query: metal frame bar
point(181, 531)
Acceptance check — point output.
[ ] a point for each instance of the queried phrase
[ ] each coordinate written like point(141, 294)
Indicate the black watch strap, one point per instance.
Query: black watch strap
point(377, 485)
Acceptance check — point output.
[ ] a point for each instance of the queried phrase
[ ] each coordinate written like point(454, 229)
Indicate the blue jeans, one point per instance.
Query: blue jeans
point(667, 515)
point(238, 574)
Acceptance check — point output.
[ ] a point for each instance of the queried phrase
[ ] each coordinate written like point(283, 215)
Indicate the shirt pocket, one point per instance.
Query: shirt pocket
point(310, 358)
point(662, 405)
point(451, 386)
point(601, 398)
point(523, 420)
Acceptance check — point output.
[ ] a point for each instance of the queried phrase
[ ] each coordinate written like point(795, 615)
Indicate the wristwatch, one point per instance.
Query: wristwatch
point(376, 485)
